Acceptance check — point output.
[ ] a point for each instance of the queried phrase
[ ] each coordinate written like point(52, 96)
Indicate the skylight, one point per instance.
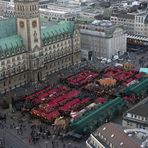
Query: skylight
point(104, 128)
point(121, 143)
point(112, 135)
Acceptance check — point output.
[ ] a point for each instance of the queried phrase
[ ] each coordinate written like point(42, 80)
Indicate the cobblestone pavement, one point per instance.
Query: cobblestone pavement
point(13, 139)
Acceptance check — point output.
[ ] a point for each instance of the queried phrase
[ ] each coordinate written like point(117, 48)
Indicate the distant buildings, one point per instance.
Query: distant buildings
point(137, 117)
point(102, 39)
point(110, 135)
point(134, 23)
point(6, 9)
point(57, 15)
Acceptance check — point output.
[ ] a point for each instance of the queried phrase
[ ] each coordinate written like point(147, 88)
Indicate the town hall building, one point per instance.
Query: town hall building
point(29, 52)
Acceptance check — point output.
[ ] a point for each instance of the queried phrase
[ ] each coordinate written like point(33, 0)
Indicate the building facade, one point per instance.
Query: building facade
point(103, 39)
point(57, 15)
point(134, 23)
point(127, 20)
point(6, 9)
point(28, 52)
point(137, 117)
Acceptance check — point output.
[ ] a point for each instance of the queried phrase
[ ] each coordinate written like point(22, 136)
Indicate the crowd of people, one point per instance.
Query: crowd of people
point(36, 133)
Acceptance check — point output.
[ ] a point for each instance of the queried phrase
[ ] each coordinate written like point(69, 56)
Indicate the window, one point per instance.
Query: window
point(8, 61)
point(3, 63)
point(13, 59)
point(18, 58)
point(23, 56)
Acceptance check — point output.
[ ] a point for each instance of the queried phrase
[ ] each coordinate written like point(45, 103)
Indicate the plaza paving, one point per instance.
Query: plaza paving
point(14, 140)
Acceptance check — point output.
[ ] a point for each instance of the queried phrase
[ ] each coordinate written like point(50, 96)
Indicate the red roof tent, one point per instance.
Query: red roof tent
point(84, 100)
point(139, 75)
point(70, 104)
point(100, 100)
point(81, 77)
point(52, 115)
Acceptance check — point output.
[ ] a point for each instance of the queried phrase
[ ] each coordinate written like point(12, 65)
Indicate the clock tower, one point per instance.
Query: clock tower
point(28, 24)
point(28, 27)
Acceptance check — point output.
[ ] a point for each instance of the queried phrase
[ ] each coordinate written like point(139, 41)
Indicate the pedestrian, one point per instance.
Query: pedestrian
point(64, 146)
point(21, 131)
point(13, 124)
point(5, 118)
point(57, 144)
point(30, 140)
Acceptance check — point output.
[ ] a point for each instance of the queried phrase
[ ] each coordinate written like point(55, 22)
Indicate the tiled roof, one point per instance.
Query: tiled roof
point(125, 16)
point(10, 44)
point(56, 30)
point(116, 136)
point(140, 109)
point(7, 27)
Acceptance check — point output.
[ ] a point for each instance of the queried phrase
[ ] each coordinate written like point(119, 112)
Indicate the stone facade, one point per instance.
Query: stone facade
point(134, 23)
point(33, 54)
point(103, 41)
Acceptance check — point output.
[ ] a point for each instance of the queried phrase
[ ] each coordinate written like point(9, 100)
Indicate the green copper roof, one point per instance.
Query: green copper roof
point(58, 29)
point(10, 42)
point(10, 45)
point(7, 27)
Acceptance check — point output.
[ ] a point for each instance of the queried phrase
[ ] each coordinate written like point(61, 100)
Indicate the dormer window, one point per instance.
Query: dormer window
point(8, 61)
point(3, 63)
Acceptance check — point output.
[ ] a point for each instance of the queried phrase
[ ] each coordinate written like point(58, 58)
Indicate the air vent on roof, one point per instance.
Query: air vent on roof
point(112, 135)
point(121, 143)
point(104, 128)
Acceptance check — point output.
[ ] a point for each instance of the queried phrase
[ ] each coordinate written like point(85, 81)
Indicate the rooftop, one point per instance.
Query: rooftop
point(126, 15)
point(10, 42)
point(10, 46)
point(7, 27)
point(53, 11)
point(58, 29)
point(115, 135)
point(140, 109)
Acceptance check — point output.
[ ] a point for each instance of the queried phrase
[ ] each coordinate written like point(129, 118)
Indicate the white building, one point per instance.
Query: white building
point(102, 39)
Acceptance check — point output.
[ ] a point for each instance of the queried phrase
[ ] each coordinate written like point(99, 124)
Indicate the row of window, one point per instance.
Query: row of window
point(12, 60)
point(138, 125)
point(12, 52)
point(58, 38)
point(13, 70)
point(138, 117)
point(22, 77)
point(23, 8)
point(67, 42)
